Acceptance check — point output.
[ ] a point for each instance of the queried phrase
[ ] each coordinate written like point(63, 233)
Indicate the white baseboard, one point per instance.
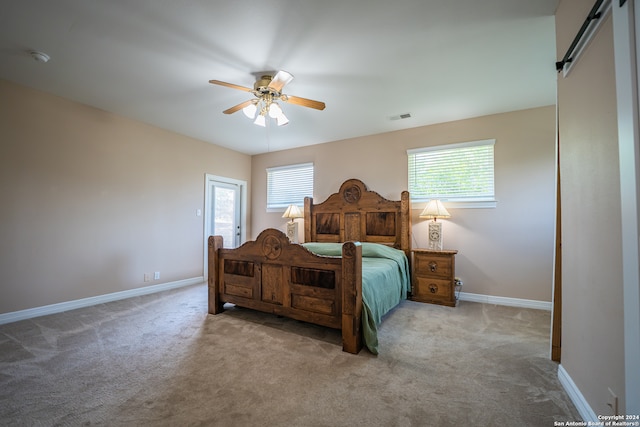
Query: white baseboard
point(100, 299)
point(576, 397)
point(513, 302)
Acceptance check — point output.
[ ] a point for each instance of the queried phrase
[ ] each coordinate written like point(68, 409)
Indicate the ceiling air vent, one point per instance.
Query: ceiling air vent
point(401, 116)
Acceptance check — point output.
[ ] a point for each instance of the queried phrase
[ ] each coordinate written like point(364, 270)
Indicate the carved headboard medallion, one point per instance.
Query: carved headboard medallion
point(271, 247)
point(352, 194)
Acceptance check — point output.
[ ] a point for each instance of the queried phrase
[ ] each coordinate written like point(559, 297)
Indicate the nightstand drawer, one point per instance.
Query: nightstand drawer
point(432, 290)
point(433, 265)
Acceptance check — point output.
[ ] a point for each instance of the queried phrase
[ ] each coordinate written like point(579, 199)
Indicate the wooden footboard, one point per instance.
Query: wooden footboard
point(272, 275)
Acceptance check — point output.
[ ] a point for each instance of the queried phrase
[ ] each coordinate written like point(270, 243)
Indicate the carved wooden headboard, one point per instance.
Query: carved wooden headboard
point(356, 214)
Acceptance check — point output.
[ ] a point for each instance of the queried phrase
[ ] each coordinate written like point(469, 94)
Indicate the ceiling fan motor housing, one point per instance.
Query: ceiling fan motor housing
point(262, 85)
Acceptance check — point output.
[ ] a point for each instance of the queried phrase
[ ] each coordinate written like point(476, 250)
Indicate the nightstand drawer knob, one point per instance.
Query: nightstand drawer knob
point(433, 288)
point(433, 266)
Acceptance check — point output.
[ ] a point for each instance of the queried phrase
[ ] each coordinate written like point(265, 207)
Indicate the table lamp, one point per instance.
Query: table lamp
point(435, 209)
point(292, 212)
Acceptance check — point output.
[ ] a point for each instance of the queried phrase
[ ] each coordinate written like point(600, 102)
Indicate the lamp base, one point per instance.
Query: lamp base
point(292, 231)
point(435, 236)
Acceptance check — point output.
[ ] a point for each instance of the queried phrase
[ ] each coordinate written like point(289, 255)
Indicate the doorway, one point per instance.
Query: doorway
point(224, 212)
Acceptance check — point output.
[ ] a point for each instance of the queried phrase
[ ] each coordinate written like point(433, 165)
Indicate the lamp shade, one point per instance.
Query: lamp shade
point(274, 110)
point(261, 121)
point(282, 120)
point(292, 212)
point(435, 209)
point(250, 110)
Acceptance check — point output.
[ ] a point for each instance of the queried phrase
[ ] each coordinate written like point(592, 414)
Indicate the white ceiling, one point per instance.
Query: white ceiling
point(368, 60)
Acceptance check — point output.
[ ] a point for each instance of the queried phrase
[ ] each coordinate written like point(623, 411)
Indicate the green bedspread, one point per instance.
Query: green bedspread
point(385, 282)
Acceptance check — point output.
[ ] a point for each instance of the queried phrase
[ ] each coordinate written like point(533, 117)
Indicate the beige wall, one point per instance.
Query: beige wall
point(91, 201)
point(592, 320)
point(506, 251)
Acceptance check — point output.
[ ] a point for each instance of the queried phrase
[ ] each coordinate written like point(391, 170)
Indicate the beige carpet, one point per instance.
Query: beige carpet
point(161, 360)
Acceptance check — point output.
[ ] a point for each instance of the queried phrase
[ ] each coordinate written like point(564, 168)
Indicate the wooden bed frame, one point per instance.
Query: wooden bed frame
point(271, 274)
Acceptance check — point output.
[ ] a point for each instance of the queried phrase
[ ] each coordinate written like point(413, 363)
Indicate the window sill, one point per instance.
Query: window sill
point(484, 204)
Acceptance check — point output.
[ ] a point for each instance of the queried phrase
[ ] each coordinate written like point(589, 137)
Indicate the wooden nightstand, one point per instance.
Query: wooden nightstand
point(433, 276)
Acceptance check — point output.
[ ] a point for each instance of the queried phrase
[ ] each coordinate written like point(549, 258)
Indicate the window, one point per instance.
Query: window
point(288, 185)
point(453, 173)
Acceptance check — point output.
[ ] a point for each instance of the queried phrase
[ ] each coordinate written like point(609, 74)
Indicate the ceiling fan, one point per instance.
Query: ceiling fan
point(267, 90)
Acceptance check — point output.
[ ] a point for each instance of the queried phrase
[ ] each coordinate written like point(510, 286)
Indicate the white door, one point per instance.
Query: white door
point(225, 208)
point(225, 201)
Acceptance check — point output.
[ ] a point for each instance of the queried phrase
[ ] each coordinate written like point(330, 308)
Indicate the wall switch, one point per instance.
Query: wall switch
point(147, 277)
point(198, 212)
point(613, 402)
point(156, 275)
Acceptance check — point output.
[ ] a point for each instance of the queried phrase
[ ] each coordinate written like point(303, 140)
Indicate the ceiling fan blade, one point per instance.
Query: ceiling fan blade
point(303, 102)
point(280, 80)
point(238, 107)
point(231, 85)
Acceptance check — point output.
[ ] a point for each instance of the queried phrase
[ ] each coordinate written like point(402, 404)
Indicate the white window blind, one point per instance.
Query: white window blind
point(288, 185)
point(456, 172)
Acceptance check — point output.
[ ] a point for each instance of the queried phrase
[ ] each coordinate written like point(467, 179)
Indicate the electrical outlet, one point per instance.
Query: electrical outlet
point(156, 275)
point(613, 402)
point(147, 277)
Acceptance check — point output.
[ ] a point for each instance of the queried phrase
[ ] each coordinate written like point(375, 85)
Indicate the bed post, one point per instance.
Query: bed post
point(405, 223)
point(215, 304)
point(352, 297)
point(308, 202)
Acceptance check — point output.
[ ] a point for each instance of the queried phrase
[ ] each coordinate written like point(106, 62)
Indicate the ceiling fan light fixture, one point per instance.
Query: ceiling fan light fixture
point(274, 110)
point(260, 120)
point(250, 110)
point(282, 120)
point(267, 90)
